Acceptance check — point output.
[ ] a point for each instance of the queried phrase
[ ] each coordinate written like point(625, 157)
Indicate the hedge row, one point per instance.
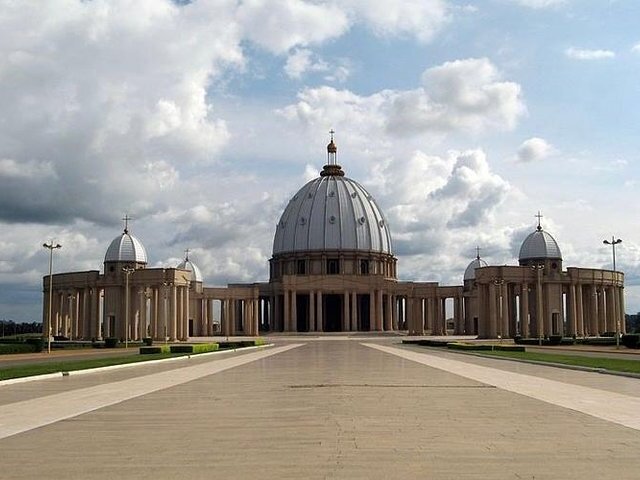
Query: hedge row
point(155, 349)
point(180, 348)
point(484, 347)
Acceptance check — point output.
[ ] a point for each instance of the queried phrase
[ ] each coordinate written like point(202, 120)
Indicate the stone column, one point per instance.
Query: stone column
point(354, 312)
point(388, 325)
point(287, 311)
point(594, 314)
point(320, 318)
point(572, 323)
point(394, 312)
point(623, 321)
point(612, 314)
point(312, 311)
point(173, 313)
point(504, 329)
point(602, 314)
point(411, 321)
point(205, 308)
point(540, 320)
point(579, 311)
point(142, 314)
point(372, 310)
point(346, 324)
point(492, 330)
point(457, 324)
point(418, 313)
point(294, 311)
point(277, 320)
point(379, 310)
point(524, 310)
point(256, 317)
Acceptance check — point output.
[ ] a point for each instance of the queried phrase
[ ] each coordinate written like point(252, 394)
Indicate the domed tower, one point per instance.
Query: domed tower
point(541, 249)
point(332, 226)
point(124, 250)
point(195, 276)
point(470, 271)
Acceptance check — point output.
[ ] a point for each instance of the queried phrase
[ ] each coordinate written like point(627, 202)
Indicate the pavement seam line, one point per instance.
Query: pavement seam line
point(609, 406)
point(27, 415)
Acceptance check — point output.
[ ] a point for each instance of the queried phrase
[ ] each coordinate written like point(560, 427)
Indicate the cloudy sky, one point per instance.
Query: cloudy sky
point(201, 119)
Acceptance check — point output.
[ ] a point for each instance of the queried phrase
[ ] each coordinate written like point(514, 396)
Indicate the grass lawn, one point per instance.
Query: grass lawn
point(613, 364)
point(71, 365)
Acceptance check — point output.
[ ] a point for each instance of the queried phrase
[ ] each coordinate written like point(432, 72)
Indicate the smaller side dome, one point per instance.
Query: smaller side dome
point(187, 264)
point(126, 248)
point(470, 272)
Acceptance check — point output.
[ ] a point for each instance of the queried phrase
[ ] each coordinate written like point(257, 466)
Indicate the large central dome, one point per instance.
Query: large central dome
point(332, 212)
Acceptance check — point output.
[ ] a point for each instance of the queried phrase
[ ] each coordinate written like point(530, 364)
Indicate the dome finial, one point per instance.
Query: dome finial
point(539, 217)
point(126, 219)
point(186, 255)
point(332, 150)
point(332, 167)
point(478, 252)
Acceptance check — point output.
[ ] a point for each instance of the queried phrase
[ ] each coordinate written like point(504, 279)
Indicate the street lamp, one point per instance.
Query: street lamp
point(165, 308)
point(614, 241)
point(51, 248)
point(127, 271)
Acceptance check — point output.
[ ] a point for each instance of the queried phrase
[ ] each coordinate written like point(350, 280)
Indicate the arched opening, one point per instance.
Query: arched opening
point(364, 320)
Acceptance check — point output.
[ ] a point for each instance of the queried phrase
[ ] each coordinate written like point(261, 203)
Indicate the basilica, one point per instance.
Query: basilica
point(333, 270)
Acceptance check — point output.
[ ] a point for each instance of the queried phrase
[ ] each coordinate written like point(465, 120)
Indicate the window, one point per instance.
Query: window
point(333, 266)
point(301, 267)
point(364, 267)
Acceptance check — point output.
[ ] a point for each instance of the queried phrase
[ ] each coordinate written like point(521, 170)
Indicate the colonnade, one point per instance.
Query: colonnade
point(540, 309)
point(374, 310)
point(428, 315)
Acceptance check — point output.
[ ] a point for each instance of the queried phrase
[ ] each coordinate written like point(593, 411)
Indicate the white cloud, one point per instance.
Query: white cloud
point(585, 54)
point(538, 4)
point(280, 26)
point(96, 92)
point(301, 61)
point(636, 48)
point(534, 149)
point(461, 95)
point(421, 19)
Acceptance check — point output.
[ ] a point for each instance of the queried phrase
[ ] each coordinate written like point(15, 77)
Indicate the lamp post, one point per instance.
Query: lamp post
point(51, 246)
point(166, 291)
point(614, 241)
point(127, 271)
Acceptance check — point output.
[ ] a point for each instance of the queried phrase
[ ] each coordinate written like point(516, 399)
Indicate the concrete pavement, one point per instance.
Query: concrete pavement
point(325, 409)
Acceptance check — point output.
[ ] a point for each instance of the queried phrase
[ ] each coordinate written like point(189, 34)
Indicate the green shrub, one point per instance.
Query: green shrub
point(149, 350)
point(20, 347)
point(631, 340)
point(148, 341)
point(259, 341)
point(110, 342)
point(599, 341)
point(37, 342)
point(181, 348)
point(205, 347)
point(555, 339)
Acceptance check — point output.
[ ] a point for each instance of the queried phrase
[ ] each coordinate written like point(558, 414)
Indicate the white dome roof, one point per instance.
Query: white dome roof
point(470, 272)
point(187, 264)
point(332, 212)
point(126, 248)
point(539, 245)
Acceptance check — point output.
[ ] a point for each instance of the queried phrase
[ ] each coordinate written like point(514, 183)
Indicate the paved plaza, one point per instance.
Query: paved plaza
point(333, 407)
